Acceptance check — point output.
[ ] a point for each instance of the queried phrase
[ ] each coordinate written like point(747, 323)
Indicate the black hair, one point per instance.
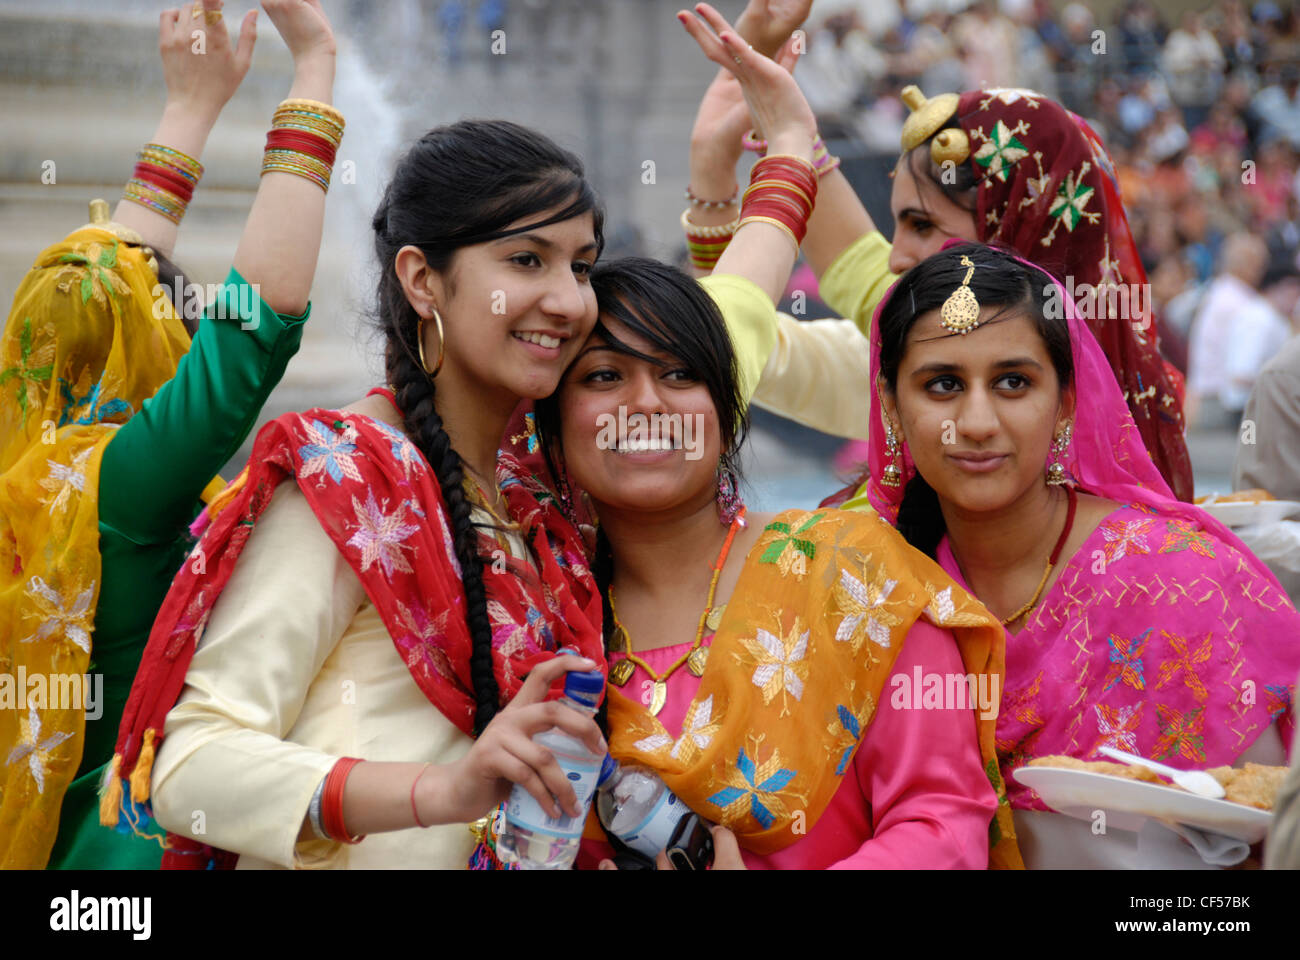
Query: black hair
point(998, 280)
point(460, 185)
point(671, 311)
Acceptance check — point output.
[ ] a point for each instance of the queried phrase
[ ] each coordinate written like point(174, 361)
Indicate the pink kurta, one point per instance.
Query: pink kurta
point(917, 796)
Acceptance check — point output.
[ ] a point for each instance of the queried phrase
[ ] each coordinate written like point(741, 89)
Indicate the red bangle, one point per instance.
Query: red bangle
point(332, 801)
point(160, 177)
point(311, 144)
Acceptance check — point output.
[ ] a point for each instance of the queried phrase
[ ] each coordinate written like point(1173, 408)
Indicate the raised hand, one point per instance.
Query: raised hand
point(201, 69)
point(768, 24)
point(505, 754)
point(776, 104)
point(305, 29)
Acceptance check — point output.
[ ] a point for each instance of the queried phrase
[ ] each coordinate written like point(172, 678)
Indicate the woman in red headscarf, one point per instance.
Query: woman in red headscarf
point(998, 166)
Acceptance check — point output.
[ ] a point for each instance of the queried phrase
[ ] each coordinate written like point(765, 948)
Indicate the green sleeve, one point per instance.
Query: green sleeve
point(858, 279)
point(161, 459)
point(751, 323)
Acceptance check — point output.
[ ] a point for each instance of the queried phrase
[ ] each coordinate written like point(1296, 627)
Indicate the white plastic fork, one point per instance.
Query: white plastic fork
point(1196, 781)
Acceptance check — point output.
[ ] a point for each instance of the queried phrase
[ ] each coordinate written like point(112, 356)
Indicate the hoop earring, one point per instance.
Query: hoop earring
point(892, 475)
point(1055, 471)
point(442, 344)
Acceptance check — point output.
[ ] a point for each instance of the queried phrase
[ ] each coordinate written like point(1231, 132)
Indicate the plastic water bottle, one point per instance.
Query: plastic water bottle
point(530, 837)
point(638, 808)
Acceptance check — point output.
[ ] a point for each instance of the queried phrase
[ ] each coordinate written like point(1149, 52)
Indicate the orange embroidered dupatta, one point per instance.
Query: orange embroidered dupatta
point(804, 648)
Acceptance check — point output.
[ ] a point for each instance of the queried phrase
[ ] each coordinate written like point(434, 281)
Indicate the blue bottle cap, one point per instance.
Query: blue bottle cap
point(584, 687)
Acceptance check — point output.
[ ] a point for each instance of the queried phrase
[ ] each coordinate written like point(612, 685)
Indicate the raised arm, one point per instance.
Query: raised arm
point(759, 252)
point(201, 71)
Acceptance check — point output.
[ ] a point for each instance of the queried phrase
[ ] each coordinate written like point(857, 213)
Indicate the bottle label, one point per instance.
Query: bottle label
point(650, 837)
point(524, 811)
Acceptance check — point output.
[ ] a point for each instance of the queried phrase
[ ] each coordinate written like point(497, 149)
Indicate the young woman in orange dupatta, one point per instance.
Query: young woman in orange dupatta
point(343, 663)
point(759, 662)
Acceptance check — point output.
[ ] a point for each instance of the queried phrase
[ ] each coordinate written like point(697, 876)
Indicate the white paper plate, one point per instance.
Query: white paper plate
point(1245, 513)
point(1128, 803)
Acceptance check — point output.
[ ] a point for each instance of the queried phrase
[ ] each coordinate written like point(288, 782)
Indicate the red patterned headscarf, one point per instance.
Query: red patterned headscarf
point(1047, 188)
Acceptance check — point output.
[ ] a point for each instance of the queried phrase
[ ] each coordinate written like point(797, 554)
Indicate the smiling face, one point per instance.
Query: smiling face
point(638, 436)
point(515, 311)
point(979, 411)
point(924, 217)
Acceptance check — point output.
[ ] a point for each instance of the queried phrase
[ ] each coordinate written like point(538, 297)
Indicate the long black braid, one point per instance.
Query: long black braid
point(460, 185)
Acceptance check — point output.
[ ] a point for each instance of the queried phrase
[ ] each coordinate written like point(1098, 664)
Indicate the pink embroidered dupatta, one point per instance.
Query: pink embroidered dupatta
point(1164, 634)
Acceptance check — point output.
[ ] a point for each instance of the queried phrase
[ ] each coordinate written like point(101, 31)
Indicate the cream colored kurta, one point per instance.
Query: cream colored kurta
point(294, 671)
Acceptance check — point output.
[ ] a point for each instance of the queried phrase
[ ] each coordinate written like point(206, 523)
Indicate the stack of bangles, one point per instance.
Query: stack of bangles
point(304, 140)
point(164, 180)
point(326, 809)
point(782, 191)
point(821, 158)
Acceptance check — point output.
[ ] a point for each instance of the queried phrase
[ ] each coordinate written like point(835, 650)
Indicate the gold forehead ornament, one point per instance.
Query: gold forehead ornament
point(960, 313)
point(929, 116)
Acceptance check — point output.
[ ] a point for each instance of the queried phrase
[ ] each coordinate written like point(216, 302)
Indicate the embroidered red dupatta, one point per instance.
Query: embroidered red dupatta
point(377, 498)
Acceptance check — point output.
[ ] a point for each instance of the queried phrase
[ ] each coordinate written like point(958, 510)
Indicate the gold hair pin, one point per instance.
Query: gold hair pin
point(961, 311)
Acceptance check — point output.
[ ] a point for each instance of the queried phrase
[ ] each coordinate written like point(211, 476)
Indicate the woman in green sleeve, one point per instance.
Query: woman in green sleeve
point(91, 532)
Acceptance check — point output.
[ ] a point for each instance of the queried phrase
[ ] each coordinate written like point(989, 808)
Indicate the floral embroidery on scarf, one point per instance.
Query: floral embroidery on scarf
point(1117, 727)
point(1277, 699)
point(1001, 150)
point(1070, 205)
point(1125, 538)
point(757, 783)
point(779, 663)
point(93, 270)
point(35, 749)
point(1126, 660)
point(32, 367)
point(330, 452)
point(847, 730)
point(1183, 537)
point(1023, 703)
point(862, 602)
point(404, 451)
point(790, 552)
point(1187, 660)
point(698, 728)
point(380, 535)
point(74, 620)
point(97, 410)
point(64, 478)
point(1180, 733)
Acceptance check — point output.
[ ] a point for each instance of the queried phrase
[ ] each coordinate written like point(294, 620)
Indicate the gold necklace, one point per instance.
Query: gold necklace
point(477, 495)
point(696, 657)
point(1051, 562)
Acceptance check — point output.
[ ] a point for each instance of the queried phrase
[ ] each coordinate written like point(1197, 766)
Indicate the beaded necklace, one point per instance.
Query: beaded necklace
point(695, 658)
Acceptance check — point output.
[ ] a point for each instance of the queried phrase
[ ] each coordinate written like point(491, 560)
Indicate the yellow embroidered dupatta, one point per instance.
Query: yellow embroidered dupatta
point(804, 648)
point(85, 345)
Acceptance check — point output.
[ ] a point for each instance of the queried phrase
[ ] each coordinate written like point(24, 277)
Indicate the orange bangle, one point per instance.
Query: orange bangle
point(332, 801)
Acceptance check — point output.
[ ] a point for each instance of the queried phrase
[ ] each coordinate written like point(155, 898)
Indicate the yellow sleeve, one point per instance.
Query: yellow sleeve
point(750, 316)
point(858, 279)
point(819, 375)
